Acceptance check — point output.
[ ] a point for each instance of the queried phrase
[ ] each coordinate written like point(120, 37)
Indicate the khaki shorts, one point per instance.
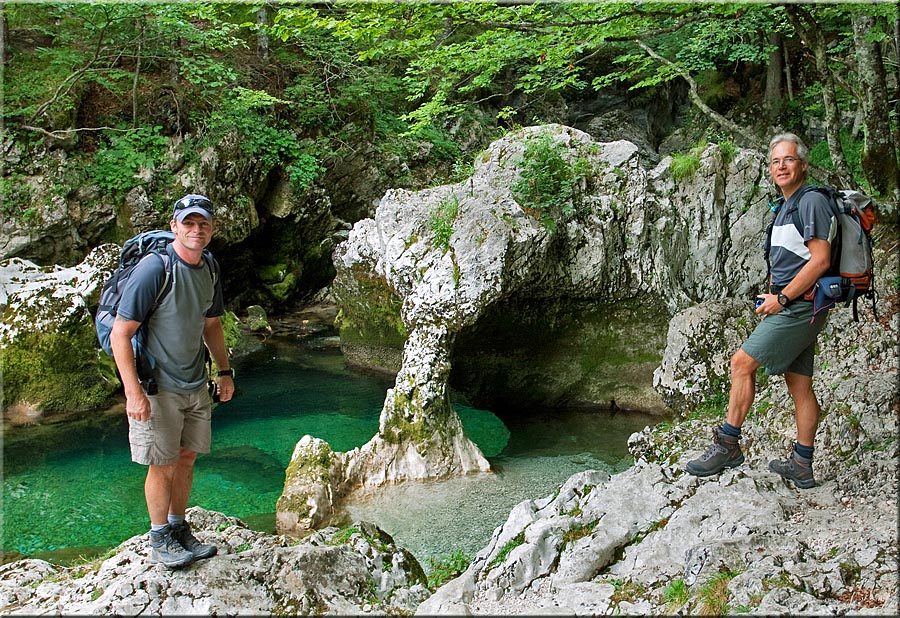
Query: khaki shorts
point(176, 421)
point(786, 342)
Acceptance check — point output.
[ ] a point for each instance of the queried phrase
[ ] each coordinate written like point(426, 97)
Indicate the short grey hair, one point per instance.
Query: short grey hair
point(802, 150)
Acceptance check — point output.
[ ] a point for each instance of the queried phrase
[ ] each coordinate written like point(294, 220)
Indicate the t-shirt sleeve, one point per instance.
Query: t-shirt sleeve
point(817, 216)
point(141, 288)
point(218, 304)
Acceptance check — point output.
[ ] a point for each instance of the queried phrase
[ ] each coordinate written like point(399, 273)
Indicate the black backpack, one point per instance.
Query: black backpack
point(134, 250)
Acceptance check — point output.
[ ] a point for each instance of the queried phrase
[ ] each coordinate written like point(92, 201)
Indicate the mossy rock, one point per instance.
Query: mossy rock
point(58, 371)
point(370, 313)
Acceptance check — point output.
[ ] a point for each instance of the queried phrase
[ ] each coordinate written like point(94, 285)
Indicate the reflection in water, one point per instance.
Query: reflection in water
point(73, 490)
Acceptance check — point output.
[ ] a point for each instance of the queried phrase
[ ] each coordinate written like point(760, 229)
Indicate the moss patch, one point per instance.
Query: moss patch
point(370, 313)
point(58, 371)
point(417, 430)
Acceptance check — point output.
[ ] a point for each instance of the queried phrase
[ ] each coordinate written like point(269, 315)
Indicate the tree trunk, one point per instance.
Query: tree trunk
point(774, 72)
point(788, 79)
point(4, 35)
point(751, 140)
point(879, 155)
point(137, 77)
point(262, 34)
point(896, 96)
point(809, 30)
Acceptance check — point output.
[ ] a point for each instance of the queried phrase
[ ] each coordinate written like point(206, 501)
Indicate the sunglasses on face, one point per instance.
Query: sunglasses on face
point(192, 202)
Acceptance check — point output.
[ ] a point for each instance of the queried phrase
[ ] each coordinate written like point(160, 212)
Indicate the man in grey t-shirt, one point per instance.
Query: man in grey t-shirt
point(167, 429)
point(784, 341)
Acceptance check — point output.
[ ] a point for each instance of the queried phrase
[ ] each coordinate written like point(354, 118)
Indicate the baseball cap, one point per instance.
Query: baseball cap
point(191, 204)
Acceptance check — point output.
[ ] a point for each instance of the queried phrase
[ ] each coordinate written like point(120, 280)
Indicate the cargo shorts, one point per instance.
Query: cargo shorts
point(176, 421)
point(786, 342)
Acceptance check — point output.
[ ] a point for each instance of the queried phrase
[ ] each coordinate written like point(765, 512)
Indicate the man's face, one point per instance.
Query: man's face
point(787, 170)
point(194, 232)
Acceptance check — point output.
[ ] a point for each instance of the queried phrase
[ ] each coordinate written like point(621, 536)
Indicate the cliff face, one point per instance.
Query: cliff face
point(558, 263)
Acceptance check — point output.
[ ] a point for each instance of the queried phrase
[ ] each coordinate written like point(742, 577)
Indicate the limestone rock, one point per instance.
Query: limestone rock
point(40, 299)
point(653, 540)
point(356, 571)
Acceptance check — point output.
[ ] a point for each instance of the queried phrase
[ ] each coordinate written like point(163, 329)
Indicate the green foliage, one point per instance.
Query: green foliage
point(820, 156)
point(626, 591)
point(675, 595)
point(514, 542)
point(231, 327)
point(712, 406)
point(714, 594)
point(30, 79)
point(259, 140)
point(461, 171)
point(445, 568)
point(727, 147)
point(547, 183)
point(16, 198)
point(344, 535)
point(114, 167)
point(684, 166)
point(389, 74)
point(95, 45)
point(579, 532)
point(303, 171)
point(441, 221)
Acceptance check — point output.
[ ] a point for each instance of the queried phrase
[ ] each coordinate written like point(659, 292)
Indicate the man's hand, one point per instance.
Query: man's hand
point(137, 406)
point(225, 387)
point(769, 306)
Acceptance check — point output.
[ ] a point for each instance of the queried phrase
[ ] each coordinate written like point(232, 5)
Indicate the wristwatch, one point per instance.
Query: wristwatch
point(783, 300)
point(226, 372)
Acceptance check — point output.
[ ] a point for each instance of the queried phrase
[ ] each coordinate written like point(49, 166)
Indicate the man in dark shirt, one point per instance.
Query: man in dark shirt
point(784, 341)
point(167, 429)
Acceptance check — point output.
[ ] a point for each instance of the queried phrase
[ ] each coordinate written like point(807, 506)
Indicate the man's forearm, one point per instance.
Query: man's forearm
point(123, 354)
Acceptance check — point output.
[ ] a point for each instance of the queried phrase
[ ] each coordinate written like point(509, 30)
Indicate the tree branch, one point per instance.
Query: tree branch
point(698, 101)
point(64, 133)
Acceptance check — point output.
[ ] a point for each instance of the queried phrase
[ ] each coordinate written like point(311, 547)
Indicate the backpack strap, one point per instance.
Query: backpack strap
point(213, 264)
point(774, 206)
point(144, 365)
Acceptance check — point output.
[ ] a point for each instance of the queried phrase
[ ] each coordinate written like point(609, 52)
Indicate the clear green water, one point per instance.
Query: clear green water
point(73, 491)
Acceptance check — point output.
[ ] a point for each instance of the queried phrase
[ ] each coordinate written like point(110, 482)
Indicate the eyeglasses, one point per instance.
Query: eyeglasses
point(786, 161)
point(195, 201)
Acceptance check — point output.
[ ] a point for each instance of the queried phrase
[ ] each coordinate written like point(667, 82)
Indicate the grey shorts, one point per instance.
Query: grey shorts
point(176, 421)
point(786, 342)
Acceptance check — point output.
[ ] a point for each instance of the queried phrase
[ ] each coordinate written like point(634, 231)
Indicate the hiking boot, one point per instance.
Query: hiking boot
point(182, 533)
point(165, 549)
point(795, 468)
point(723, 453)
